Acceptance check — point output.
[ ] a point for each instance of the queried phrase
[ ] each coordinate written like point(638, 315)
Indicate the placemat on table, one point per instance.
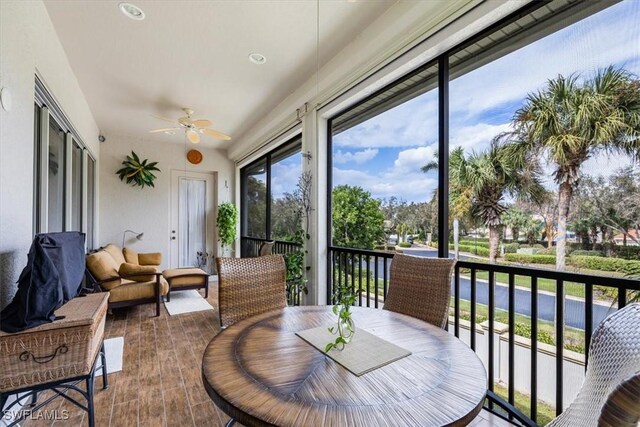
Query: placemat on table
point(363, 354)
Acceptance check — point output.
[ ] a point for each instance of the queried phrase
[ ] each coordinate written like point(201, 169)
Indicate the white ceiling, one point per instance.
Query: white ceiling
point(194, 54)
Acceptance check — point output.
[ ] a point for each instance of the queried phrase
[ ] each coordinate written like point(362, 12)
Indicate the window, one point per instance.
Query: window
point(285, 170)
point(64, 173)
point(254, 191)
point(268, 187)
point(56, 177)
point(380, 194)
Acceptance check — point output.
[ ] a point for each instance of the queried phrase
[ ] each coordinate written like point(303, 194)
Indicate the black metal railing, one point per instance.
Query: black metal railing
point(250, 246)
point(368, 272)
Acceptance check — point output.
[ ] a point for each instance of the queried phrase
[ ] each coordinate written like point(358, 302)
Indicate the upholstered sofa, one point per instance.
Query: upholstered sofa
point(129, 277)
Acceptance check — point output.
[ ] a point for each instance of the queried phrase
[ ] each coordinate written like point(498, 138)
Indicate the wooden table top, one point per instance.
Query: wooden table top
point(260, 373)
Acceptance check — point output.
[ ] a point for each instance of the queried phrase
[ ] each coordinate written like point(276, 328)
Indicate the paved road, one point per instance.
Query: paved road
point(574, 309)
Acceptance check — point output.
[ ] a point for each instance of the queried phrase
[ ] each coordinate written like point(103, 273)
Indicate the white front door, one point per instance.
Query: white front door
point(193, 202)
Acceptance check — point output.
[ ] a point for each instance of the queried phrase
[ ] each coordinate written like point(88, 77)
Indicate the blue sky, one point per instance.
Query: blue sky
point(384, 154)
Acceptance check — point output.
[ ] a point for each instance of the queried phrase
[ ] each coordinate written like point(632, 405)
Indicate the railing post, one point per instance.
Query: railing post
point(443, 156)
point(456, 302)
point(559, 344)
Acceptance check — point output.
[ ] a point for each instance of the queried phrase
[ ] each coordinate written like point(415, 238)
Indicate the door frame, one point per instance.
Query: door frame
point(174, 220)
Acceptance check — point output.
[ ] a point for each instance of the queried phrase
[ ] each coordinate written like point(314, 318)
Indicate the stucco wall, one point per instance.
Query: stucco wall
point(29, 45)
point(147, 210)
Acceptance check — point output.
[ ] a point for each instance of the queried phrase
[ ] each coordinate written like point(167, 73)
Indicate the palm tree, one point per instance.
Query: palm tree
point(570, 121)
point(516, 219)
point(487, 177)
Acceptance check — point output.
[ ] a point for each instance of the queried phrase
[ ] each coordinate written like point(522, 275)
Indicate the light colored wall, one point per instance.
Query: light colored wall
point(148, 210)
point(29, 45)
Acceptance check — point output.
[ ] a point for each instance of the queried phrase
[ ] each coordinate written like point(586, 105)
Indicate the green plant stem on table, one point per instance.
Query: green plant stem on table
point(345, 328)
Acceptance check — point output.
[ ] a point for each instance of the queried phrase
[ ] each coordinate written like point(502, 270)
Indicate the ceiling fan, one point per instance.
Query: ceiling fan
point(192, 128)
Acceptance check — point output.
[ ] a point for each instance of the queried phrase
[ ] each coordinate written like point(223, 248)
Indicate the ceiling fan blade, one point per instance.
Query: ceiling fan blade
point(163, 130)
point(193, 136)
point(202, 123)
point(216, 134)
point(163, 119)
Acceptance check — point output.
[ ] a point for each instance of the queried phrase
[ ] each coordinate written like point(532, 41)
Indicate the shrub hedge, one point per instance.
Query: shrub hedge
point(511, 248)
point(476, 250)
point(404, 244)
point(479, 243)
point(582, 252)
point(531, 259)
point(606, 264)
point(524, 330)
point(628, 252)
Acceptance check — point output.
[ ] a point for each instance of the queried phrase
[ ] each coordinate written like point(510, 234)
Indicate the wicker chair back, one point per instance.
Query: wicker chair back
point(250, 286)
point(614, 357)
point(421, 288)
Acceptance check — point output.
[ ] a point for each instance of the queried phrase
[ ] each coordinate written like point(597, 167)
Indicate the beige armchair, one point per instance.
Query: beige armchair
point(129, 277)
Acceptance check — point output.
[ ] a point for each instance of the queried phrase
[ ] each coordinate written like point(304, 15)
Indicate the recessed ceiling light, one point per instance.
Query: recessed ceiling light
point(131, 11)
point(257, 58)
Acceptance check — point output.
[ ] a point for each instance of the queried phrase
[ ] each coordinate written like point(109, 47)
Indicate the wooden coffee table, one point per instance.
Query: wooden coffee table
point(260, 373)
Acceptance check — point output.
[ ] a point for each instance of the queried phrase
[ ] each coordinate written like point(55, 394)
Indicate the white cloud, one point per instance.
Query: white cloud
point(413, 159)
point(412, 124)
point(606, 165)
point(411, 186)
point(358, 157)
point(476, 137)
point(284, 178)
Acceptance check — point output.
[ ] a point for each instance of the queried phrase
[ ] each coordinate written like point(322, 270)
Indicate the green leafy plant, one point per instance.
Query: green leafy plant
point(296, 279)
point(295, 261)
point(136, 172)
point(227, 222)
point(345, 328)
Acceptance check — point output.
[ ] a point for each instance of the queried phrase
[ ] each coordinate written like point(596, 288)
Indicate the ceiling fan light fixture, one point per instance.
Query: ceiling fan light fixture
point(131, 11)
point(257, 58)
point(193, 136)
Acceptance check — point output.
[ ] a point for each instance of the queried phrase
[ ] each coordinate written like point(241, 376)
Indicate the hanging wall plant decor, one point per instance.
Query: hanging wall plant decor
point(136, 172)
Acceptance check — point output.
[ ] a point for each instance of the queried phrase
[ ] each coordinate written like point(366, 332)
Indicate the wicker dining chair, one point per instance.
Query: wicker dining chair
point(250, 286)
point(622, 408)
point(421, 288)
point(614, 357)
point(266, 248)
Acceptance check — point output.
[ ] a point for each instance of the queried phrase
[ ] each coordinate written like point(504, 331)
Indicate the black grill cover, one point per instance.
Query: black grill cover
point(53, 276)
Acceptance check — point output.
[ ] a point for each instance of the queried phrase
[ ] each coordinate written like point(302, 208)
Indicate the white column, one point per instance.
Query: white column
point(314, 137)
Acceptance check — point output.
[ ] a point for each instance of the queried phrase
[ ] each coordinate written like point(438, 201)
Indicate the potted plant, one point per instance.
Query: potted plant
point(136, 172)
point(227, 222)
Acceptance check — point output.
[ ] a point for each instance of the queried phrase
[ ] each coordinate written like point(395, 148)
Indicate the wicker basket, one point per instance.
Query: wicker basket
point(54, 351)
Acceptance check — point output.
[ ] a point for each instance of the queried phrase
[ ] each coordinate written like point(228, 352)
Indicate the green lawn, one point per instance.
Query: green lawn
point(546, 413)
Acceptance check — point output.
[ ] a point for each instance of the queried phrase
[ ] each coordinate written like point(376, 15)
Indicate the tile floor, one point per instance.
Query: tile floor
point(160, 384)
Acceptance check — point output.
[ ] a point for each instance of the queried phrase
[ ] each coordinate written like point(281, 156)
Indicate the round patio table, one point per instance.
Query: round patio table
point(261, 373)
